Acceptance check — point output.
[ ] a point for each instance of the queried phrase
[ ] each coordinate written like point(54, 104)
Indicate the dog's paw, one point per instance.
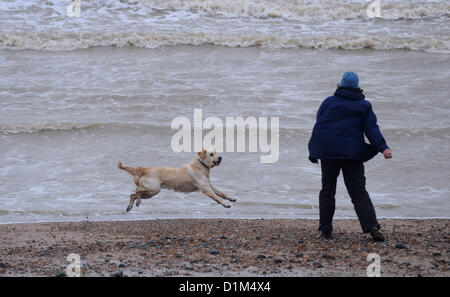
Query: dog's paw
point(233, 200)
point(226, 205)
point(128, 208)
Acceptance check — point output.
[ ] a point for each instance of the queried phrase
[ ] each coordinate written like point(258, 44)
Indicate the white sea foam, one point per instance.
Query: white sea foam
point(298, 9)
point(291, 9)
point(410, 25)
point(59, 41)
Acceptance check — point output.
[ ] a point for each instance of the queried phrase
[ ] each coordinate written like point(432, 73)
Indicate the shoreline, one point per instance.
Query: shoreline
point(223, 247)
point(218, 218)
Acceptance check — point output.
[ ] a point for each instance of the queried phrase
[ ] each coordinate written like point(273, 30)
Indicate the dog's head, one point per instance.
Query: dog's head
point(209, 157)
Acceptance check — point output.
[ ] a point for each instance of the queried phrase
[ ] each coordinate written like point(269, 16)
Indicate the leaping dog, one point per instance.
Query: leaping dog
point(190, 177)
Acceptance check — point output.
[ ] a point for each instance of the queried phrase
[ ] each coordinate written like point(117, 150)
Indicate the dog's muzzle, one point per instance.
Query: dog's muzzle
point(217, 162)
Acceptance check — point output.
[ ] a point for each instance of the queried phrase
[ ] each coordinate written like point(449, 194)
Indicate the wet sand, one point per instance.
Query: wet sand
point(223, 247)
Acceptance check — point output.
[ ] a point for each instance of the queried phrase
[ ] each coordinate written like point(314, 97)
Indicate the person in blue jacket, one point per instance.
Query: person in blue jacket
point(338, 141)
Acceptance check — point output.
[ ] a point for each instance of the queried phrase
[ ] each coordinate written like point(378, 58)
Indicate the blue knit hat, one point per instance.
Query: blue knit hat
point(350, 80)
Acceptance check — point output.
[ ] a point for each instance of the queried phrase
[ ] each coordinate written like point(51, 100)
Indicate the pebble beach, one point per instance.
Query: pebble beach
point(223, 247)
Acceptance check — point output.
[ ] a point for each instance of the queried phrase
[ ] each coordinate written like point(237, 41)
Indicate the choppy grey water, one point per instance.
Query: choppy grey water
point(80, 94)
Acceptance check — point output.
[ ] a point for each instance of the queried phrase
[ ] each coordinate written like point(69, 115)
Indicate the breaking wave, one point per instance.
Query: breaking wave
point(42, 127)
point(69, 41)
point(297, 9)
point(28, 128)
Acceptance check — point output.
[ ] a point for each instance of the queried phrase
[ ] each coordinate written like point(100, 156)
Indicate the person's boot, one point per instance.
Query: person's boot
point(376, 235)
point(327, 236)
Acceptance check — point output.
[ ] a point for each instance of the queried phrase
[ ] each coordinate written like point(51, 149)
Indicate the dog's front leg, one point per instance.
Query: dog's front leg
point(208, 191)
point(223, 195)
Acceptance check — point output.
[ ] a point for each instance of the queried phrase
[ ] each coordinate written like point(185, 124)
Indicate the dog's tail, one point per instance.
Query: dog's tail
point(131, 170)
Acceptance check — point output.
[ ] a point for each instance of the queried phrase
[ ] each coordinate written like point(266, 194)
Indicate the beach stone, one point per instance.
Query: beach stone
point(400, 246)
point(118, 273)
point(327, 256)
point(299, 255)
point(277, 261)
point(121, 265)
point(2, 265)
point(61, 274)
point(318, 265)
point(214, 252)
point(260, 257)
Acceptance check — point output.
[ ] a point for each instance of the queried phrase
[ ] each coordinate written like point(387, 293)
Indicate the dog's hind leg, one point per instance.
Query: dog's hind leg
point(147, 189)
point(145, 195)
point(132, 198)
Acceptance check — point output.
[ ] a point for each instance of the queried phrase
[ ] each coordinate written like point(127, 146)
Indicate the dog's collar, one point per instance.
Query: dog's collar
point(203, 164)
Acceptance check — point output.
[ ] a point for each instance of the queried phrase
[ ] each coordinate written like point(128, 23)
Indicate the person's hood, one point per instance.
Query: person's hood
point(349, 93)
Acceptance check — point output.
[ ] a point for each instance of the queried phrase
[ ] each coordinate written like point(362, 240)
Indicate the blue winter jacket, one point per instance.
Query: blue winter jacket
point(342, 121)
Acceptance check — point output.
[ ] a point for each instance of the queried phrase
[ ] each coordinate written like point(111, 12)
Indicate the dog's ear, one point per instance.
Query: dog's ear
point(202, 154)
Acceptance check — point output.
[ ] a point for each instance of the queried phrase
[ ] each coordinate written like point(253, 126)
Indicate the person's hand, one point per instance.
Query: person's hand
point(313, 160)
point(387, 153)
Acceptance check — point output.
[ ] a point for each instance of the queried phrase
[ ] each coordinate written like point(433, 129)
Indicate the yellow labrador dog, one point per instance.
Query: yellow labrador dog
point(188, 178)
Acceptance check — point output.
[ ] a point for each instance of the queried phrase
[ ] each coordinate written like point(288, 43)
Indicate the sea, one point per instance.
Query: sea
point(86, 84)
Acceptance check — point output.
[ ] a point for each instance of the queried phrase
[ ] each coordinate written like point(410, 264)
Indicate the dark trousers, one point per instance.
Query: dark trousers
point(355, 181)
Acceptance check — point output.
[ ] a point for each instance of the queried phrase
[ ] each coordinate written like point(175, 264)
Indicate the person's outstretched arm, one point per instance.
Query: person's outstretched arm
point(374, 135)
